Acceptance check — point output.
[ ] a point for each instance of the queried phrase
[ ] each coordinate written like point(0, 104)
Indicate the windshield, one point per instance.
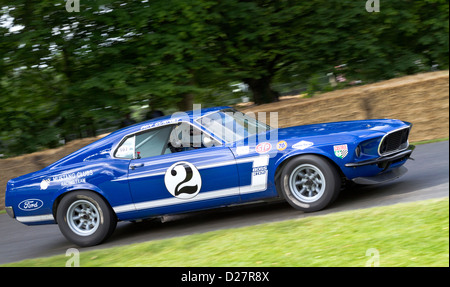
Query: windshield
point(231, 125)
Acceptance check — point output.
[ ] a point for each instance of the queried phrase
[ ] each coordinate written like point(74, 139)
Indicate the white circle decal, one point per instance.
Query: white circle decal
point(183, 180)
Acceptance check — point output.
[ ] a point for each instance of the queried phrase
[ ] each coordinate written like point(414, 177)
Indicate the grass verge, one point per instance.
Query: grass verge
point(430, 141)
point(408, 234)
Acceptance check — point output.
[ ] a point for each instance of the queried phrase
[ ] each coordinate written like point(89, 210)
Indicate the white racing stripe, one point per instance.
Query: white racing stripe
point(174, 201)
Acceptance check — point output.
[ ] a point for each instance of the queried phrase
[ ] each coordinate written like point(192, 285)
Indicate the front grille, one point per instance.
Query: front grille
point(394, 141)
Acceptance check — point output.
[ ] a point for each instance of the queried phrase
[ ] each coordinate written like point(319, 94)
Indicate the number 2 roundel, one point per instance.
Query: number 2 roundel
point(183, 180)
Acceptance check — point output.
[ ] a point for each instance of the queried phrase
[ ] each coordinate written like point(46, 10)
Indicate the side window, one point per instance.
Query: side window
point(164, 140)
point(153, 142)
point(147, 144)
point(126, 149)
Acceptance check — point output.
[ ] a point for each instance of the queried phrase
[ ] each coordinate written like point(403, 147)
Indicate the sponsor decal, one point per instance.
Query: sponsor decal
point(183, 180)
point(340, 151)
point(281, 145)
point(259, 175)
point(263, 147)
point(67, 179)
point(260, 170)
point(302, 145)
point(241, 150)
point(158, 124)
point(30, 204)
point(45, 183)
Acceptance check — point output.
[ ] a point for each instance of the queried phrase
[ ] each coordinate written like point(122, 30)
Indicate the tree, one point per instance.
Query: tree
point(256, 41)
point(66, 75)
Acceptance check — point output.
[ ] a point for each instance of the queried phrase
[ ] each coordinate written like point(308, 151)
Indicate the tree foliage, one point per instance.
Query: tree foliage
point(67, 75)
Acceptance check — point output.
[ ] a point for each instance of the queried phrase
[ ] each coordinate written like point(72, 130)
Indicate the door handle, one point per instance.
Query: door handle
point(133, 166)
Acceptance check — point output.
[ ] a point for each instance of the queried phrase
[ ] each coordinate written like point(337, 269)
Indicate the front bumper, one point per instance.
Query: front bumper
point(384, 161)
point(382, 177)
point(9, 211)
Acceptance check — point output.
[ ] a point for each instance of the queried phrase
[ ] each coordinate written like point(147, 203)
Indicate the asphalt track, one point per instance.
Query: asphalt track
point(428, 177)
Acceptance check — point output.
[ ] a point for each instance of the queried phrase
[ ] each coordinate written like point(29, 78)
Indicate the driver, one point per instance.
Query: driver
point(184, 137)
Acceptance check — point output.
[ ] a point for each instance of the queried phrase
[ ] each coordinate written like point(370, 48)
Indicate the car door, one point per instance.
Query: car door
point(166, 179)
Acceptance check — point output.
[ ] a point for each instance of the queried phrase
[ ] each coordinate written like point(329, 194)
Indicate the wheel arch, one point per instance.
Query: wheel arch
point(62, 194)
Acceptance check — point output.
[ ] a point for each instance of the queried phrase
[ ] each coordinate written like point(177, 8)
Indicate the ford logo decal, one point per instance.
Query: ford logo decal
point(30, 204)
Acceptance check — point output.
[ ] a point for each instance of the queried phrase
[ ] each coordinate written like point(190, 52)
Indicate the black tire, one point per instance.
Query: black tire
point(85, 218)
point(309, 183)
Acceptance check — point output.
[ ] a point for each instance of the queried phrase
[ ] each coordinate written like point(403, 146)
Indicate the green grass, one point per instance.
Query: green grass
point(409, 234)
point(430, 141)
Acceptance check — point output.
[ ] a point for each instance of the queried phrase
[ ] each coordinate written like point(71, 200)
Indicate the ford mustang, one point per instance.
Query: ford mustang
point(204, 159)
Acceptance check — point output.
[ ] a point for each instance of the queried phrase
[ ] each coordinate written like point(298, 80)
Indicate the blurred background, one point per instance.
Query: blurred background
point(68, 75)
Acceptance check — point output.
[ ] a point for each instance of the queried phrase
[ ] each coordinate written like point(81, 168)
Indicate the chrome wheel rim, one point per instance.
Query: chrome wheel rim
point(307, 183)
point(83, 217)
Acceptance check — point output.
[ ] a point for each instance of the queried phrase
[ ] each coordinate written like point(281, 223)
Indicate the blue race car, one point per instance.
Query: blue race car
point(204, 159)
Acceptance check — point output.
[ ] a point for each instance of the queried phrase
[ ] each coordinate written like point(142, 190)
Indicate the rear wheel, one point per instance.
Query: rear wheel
point(85, 219)
point(309, 183)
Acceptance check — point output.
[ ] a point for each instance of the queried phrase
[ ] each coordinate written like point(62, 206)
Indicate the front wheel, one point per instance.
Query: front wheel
point(309, 183)
point(85, 219)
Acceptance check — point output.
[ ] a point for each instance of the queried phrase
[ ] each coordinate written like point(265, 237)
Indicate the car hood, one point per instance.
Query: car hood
point(356, 127)
point(336, 132)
